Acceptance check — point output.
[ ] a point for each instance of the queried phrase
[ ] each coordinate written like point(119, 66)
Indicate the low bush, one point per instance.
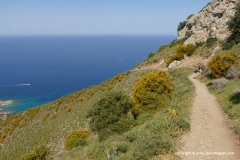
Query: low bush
point(151, 54)
point(228, 45)
point(39, 153)
point(181, 25)
point(219, 65)
point(199, 44)
point(188, 34)
point(211, 41)
point(151, 146)
point(180, 52)
point(190, 16)
point(235, 97)
point(110, 115)
point(76, 138)
point(233, 25)
point(170, 60)
point(162, 48)
point(2, 137)
point(190, 49)
point(152, 91)
point(176, 42)
point(182, 123)
point(119, 149)
point(237, 130)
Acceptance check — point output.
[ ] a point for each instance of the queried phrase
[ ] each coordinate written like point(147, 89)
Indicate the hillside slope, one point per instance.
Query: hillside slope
point(153, 132)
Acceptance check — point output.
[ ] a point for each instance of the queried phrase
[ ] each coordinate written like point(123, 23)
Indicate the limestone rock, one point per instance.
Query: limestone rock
point(174, 64)
point(211, 21)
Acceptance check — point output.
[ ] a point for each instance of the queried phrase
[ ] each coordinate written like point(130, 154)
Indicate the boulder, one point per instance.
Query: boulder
point(174, 64)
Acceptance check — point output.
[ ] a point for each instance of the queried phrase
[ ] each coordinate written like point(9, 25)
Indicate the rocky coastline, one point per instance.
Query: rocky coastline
point(5, 114)
point(6, 103)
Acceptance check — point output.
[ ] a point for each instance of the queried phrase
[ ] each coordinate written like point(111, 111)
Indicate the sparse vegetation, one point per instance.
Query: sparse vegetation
point(234, 27)
point(211, 41)
point(76, 138)
point(151, 146)
point(39, 153)
point(190, 16)
point(151, 54)
point(162, 48)
point(181, 25)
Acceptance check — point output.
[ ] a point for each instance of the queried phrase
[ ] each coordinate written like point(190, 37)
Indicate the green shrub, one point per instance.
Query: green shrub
point(190, 49)
point(176, 42)
point(205, 7)
point(181, 25)
point(199, 44)
point(152, 91)
point(228, 45)
point(151, 146)
point(76, 138)
point(234, 22)
point(170, 60)
point(80, 142)
point(109, 115)
point(182, 123)
point(122, 148)
point(237, 129)
point(181, 50)
point(151, 55)
point(219, 65)
point(211, 41)
point(190, 16)
point(2, 137)
point(162, 48)
point(39, 153)
point(188, 34)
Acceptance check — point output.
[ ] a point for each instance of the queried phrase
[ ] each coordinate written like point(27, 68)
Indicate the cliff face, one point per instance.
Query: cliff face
point(211, 21)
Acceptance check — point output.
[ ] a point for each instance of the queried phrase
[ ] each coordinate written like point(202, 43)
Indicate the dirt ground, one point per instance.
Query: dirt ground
point(210, 138)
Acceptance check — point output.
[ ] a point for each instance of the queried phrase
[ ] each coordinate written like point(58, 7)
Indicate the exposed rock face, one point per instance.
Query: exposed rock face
point(211, 21)
point(174, 64)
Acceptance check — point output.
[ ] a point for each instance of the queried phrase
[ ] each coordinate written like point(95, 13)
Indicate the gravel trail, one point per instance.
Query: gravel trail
point(209, 138)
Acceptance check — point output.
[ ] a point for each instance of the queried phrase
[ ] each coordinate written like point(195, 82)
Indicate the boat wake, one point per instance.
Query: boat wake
point(15, 85)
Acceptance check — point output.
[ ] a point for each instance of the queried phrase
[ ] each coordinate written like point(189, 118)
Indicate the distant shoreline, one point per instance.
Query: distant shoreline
point(5, 114)
point(6, 103)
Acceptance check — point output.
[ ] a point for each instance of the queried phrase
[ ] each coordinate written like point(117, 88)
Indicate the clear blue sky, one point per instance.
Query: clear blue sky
point(53, 17)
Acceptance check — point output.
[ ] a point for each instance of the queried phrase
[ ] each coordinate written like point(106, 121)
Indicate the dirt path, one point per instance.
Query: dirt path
point(209, 132)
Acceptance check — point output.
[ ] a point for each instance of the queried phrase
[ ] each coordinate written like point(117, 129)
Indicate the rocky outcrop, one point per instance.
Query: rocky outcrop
point(174, 64)
point(6, 103)
point(211, 21)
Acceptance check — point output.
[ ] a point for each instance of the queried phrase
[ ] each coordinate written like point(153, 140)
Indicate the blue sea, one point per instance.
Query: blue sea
point(54, 66)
